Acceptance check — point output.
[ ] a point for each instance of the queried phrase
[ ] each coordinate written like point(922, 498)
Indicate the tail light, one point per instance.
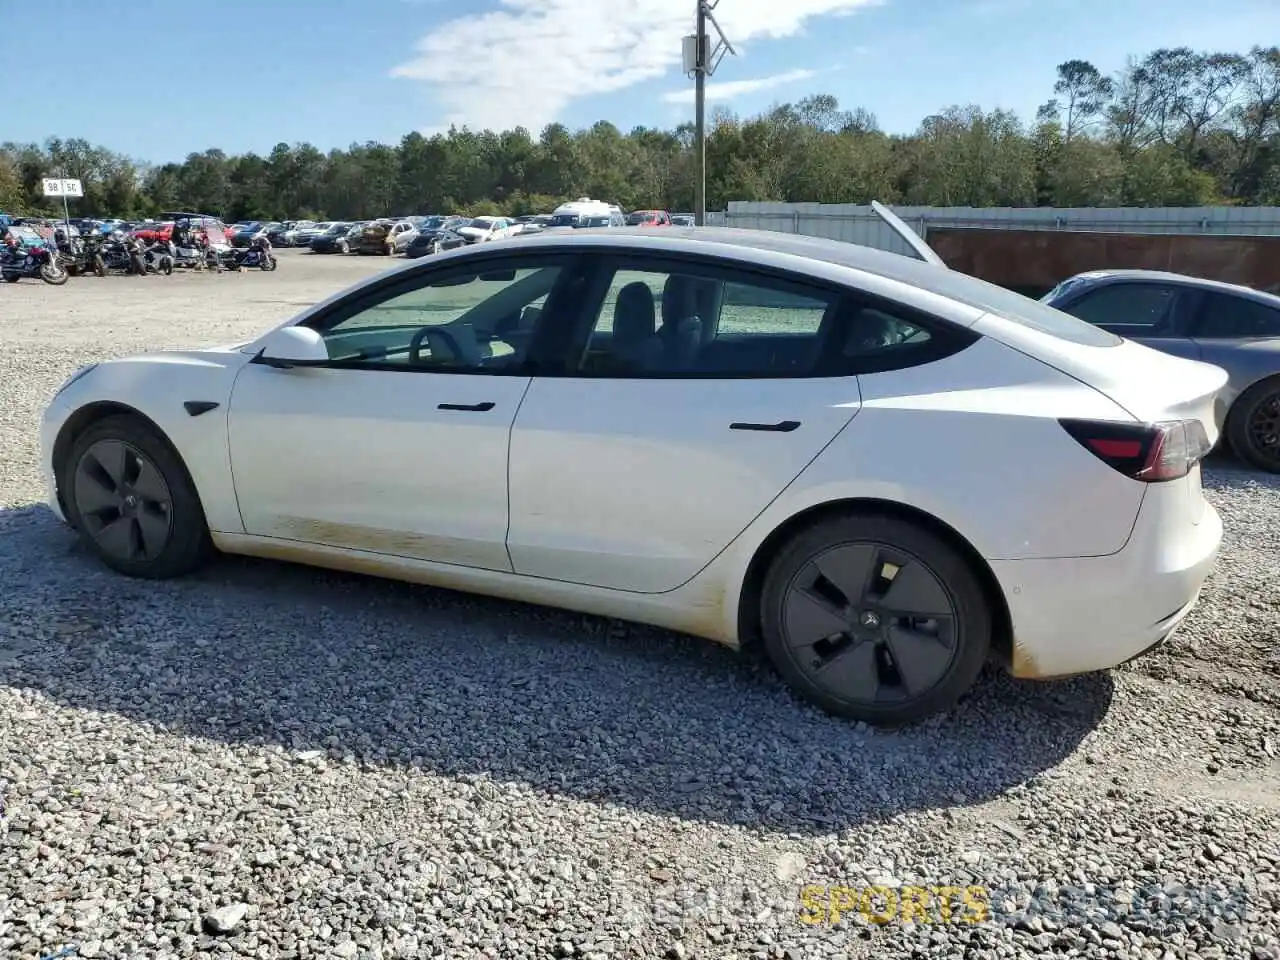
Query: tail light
point(1149, 452)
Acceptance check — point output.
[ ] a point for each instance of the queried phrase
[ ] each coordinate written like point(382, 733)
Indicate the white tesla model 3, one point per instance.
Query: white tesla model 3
point(884, 471)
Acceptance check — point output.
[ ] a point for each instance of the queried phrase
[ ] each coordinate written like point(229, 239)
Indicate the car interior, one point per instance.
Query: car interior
point(695, 326)
point(684, 331)
point(493, 333)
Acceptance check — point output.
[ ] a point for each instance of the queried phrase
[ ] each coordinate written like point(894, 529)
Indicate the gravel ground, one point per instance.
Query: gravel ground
point(268, 761)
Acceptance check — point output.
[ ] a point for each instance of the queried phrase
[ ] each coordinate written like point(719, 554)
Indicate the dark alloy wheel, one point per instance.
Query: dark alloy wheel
point(1254, 426)
point(132, 500)
point(875, 618)
point(124, 502)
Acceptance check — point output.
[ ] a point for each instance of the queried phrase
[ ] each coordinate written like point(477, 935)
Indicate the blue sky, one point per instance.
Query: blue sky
point(336, 71)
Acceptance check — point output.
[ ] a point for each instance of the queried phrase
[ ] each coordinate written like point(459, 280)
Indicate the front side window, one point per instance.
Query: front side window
point(1148, 305)
point(476, 321)
point(1224, 316)
point(722, 322)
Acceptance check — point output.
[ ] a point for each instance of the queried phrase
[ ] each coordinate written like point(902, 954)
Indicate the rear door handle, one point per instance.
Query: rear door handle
point(471, 407)
point(782, 426)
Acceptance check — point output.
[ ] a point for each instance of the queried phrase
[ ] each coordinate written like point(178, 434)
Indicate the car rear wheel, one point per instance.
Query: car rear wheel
point(132, 501)
point(875, 618)
point(1254, 426)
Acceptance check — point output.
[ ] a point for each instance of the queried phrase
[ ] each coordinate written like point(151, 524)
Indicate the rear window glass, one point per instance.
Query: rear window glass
point(1008, 305)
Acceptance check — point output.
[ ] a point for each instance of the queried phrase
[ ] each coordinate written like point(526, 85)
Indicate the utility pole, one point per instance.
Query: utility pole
point(700, 117)
point(701, 59)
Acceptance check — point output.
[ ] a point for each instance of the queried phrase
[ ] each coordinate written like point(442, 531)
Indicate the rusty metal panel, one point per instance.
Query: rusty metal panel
point(1041, 259)
point(856, 223)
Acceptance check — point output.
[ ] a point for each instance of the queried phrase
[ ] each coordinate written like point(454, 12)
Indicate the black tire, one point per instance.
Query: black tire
point(11, 278)
point(1253, 426)
point(863, 627)
point(188, 544)
point(99, 266)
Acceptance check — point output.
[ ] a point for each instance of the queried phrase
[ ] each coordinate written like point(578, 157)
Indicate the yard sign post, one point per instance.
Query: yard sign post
point(64, 188)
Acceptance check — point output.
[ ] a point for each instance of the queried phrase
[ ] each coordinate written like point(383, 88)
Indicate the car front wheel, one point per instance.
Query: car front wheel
point(875, 618)
point(132, 501)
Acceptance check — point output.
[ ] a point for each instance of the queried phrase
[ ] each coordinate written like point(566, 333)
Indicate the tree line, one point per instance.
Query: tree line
point(1177, 127)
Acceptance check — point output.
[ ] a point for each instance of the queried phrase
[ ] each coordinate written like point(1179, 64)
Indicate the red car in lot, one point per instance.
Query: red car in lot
point(151, 232)
point(649, 218)
point(163, 230)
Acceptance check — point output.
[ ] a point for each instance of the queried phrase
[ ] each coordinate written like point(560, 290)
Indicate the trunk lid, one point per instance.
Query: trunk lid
point(1150, 385)
point(909, 236)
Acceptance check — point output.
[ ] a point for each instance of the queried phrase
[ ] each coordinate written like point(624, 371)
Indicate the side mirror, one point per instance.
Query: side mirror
point(293, 347)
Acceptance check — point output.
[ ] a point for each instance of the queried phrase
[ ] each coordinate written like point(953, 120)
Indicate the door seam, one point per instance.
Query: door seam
point(511, 430)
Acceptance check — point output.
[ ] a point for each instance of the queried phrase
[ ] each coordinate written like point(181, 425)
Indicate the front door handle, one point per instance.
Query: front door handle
point(782, 426)
point(471, 407)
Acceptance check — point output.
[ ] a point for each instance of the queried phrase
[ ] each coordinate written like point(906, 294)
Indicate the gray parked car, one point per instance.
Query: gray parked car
point(1232, 327)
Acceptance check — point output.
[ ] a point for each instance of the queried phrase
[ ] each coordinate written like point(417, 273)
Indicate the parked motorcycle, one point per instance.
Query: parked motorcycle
point(189, 257)
point(159, 258)
point(82, 255)
point(32, 263)
point(124, 255)
point(258, 255)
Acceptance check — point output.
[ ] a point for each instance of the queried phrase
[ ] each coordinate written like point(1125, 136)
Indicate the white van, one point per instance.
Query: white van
point(577, 212)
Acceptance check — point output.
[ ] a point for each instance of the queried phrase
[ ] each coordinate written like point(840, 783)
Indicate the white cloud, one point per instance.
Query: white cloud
point(525, 62)
point(738, 88)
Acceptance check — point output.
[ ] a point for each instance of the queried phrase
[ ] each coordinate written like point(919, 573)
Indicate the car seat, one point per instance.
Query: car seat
point(635, 343)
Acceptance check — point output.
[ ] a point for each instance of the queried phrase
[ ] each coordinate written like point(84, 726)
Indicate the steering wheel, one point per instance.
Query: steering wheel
point(450, 341)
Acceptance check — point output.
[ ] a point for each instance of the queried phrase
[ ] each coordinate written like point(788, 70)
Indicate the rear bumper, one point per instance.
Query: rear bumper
point(1078, 615)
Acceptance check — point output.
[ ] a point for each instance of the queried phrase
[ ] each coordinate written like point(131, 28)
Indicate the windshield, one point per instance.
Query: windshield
point(1066, 285)
point(566, 220)
point(641, 217)
point(433, 223)
point(338, 228)
point(595, 222)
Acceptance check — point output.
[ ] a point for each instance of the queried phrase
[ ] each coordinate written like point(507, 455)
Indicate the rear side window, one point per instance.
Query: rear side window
point(1147, 305)
point(1222, 315)
point(689, 319)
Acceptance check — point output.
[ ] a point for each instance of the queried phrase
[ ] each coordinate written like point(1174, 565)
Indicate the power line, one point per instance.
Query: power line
point(701, 59)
